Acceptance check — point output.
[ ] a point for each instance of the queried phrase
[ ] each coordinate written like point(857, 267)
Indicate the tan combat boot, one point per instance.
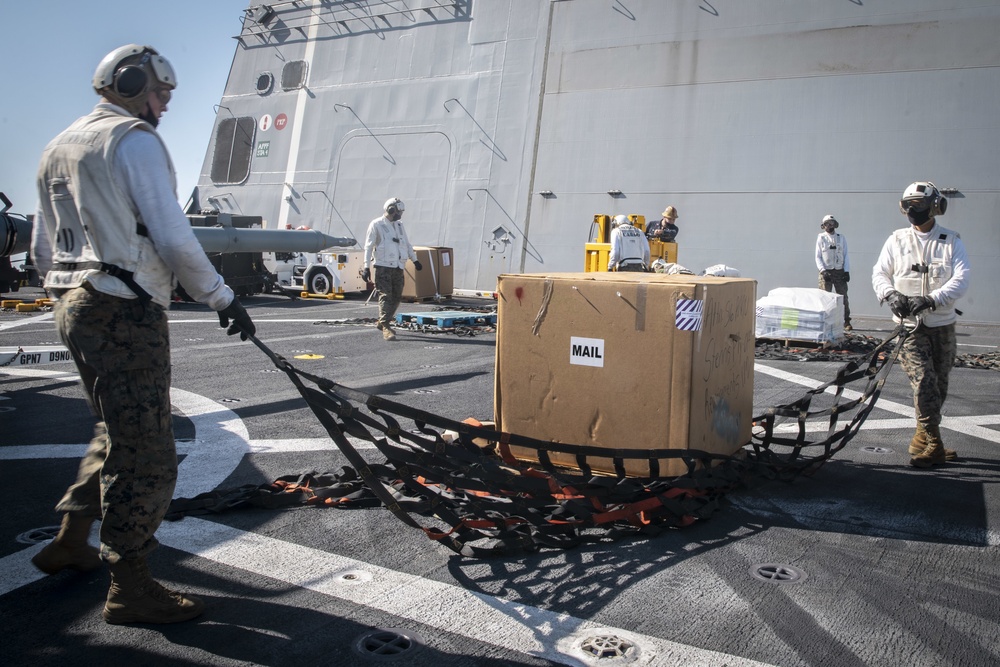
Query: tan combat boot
point(919, 443)
point(69, 549)
point(933, 454)
point(135, 597)
point(388, 333)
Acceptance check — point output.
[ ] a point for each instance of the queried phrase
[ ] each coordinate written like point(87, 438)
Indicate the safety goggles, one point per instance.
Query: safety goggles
point(162, 94)
point(915, 205)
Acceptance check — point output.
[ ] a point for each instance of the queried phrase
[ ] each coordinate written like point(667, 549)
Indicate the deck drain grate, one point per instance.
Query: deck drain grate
point(38, 535)
point(776, 573)
point(875, 450)
point(607, 646)
point(388, 644)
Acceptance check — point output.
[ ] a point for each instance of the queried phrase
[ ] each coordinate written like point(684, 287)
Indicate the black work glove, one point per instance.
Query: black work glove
point(847, 276)
point(898, 304)
point(418, 265)
point(242, 323)
point(366, 275)
point(919, 304)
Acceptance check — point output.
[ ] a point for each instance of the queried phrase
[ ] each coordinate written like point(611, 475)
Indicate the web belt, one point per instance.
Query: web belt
point(114, 270)
point(481, 501)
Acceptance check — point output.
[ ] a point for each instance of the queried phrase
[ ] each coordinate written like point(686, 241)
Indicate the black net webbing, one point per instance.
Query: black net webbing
point(470, 494)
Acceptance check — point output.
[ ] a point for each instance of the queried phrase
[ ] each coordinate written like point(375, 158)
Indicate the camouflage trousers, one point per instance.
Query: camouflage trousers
point(927, 356)
point(837, 284)
point(126, 479)
point(389, 283)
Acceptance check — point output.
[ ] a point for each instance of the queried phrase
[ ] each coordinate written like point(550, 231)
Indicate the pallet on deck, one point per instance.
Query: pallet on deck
point(448, 318)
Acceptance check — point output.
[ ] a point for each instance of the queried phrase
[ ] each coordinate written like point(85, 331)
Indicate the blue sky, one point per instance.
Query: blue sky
point(48, 54)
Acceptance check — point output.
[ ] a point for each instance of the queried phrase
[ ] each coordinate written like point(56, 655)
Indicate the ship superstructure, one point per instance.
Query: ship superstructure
point(506, 125)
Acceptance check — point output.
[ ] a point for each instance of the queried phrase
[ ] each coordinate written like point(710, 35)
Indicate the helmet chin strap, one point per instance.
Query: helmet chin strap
point(132, 106)
point(148, 116)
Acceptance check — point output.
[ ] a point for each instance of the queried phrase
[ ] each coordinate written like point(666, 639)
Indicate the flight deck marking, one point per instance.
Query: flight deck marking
point(512, 625)
point(970, 425)
point(18, 323)
point(210, 460)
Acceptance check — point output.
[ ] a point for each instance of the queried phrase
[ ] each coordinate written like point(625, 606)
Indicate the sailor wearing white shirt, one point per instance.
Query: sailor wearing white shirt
point(387, 248)
point(629, 247)
point(833, 263)
point(921, 273)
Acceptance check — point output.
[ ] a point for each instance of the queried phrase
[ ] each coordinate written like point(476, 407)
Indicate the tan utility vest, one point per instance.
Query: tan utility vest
point(90, 219)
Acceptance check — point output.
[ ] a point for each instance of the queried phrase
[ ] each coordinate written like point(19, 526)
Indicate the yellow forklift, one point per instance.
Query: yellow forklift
point(597, 251)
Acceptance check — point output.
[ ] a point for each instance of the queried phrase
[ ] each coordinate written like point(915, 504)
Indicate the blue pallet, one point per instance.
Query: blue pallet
point(447, 318)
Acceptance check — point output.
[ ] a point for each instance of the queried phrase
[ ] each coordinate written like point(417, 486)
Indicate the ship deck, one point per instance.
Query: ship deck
point(890, 564)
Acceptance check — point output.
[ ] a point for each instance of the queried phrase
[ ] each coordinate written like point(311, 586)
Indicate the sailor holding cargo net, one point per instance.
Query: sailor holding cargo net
point(922, 271)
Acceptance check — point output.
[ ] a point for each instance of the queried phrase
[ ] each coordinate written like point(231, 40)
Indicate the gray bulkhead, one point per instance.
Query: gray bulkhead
point(753, 118)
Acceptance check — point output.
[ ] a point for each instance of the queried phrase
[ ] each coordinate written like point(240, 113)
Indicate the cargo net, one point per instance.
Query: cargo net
point(468, 492)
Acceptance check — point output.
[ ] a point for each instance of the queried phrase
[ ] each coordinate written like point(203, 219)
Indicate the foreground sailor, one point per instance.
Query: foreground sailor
point(388, 248)
point(110, 238)
point(629, 247)
point(921, 272)
point(833, 263)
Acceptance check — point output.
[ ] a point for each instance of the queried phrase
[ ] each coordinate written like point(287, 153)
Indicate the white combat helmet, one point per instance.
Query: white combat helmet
point(393, 206)
point(130, 71)
point(923, 196)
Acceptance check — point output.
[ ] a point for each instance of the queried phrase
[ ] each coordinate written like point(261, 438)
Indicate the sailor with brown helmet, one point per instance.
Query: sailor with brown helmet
point(666, 229)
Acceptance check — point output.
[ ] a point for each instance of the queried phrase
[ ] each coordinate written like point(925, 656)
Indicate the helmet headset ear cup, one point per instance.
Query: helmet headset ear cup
point(940, 206)
point(394, 208)
point(130, 81)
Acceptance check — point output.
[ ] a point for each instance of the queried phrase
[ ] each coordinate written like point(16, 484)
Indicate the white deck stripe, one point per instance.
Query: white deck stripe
point(518, 627)
point(971, 425)
point(20, 323)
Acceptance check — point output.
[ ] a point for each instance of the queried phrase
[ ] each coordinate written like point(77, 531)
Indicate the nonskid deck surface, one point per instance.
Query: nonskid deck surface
point(818, 571)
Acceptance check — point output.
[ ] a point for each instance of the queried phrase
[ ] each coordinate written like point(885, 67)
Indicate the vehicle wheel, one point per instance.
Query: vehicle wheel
point(319, 281)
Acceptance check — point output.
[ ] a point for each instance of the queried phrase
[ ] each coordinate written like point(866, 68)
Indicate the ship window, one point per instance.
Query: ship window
point(293, 75)
point(265, 82)
point(233, 147)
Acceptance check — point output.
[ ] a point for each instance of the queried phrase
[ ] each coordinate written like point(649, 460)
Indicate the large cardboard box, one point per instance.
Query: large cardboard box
point(420, 284)
point(626, 360)
point(444, 268)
